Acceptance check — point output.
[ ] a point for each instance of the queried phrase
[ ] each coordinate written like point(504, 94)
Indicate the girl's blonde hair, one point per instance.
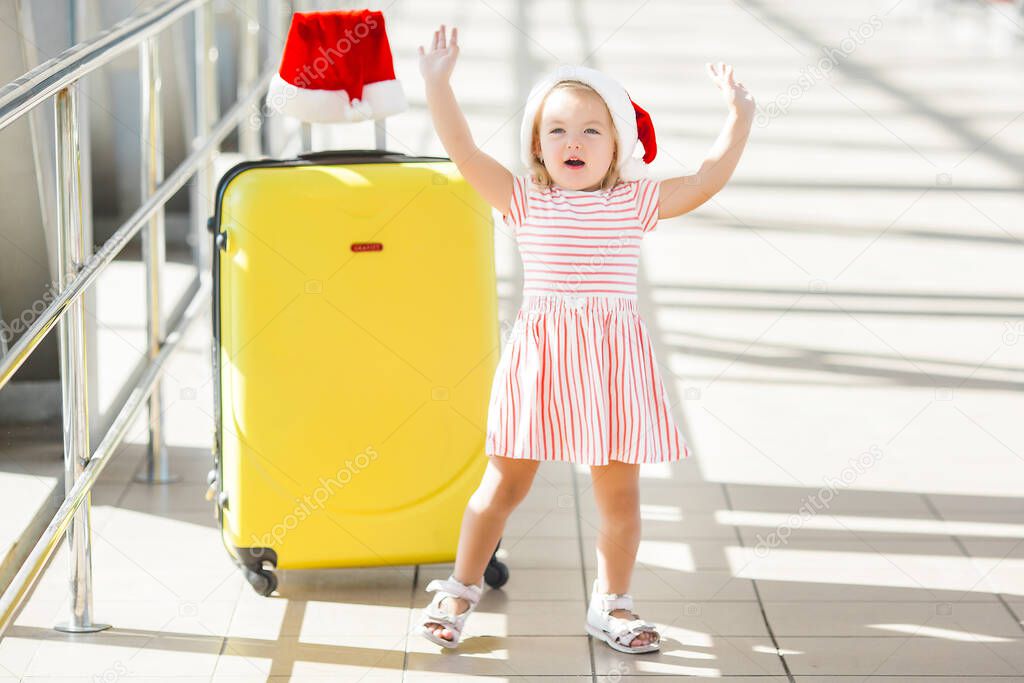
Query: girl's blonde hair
point(541, 177)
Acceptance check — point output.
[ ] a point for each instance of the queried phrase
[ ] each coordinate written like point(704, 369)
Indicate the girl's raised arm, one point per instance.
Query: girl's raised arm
point(685, 193)
point(488, 177)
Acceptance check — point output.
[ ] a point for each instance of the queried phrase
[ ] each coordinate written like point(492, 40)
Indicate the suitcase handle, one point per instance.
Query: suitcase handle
point(350, 154)
point(345, 154)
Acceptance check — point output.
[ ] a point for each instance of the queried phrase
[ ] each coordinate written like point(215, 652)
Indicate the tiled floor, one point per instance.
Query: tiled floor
point(854, 608)
point(837, 332)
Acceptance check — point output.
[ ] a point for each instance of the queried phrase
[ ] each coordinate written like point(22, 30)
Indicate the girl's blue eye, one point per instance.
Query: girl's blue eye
point(556, 130)
point(594, 130)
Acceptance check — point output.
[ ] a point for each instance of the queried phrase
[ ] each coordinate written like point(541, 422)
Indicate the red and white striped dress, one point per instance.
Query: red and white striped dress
point(578, 380)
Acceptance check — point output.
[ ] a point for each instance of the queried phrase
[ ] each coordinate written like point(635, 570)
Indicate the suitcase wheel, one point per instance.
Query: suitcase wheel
point(263, 582)
point(258, 565)
point(496, 572)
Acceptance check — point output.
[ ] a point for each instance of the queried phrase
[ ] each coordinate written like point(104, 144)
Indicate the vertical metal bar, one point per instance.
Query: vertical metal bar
point(380, 133)
point(307, 136)
point(280, 130)
point(3, 335)
point(80, 27)
point(205, 98)
point(248, 72)
point(73, 372)
point(39, 134)
point(151, 142)
point(83, 20)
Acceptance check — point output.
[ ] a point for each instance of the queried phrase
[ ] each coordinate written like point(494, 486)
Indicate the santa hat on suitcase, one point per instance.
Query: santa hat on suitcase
point(336, 68)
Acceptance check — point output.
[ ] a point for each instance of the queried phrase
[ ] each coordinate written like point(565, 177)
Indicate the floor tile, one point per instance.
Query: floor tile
point(658, 584)
point(928, 656)
point(124, 653)
point(693, 654)
point(503, 656)
point(344, 657)
point(953, 620)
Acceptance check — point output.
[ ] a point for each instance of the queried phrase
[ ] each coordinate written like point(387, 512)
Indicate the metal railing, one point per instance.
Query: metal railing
point(59, 78)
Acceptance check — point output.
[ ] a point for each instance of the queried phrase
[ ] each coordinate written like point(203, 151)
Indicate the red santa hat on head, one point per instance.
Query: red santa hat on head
point(632, 124)
point(336, 67)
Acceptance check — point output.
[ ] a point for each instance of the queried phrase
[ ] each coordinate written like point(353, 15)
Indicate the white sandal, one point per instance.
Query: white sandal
point(616, 631)
point(434, 614)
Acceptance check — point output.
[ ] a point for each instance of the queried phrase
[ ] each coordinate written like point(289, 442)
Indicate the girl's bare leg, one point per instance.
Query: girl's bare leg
point(617, 493)
point(505, 483)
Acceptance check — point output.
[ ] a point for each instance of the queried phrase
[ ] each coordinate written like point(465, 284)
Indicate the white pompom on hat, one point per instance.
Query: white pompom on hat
point(632, 123)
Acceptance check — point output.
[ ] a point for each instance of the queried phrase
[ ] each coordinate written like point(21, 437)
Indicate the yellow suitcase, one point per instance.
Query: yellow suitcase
point(356, 336)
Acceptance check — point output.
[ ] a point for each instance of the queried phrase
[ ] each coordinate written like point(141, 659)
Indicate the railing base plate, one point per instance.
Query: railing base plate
point(85, 628)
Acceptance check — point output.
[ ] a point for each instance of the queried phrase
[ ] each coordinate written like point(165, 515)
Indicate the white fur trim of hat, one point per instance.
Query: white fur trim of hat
point(632, 124)
point(336, 67)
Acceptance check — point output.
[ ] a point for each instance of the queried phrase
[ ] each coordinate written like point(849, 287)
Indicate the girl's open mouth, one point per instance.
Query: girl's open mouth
point(574, 163)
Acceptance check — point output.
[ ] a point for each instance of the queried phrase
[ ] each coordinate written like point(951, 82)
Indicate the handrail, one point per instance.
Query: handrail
point(31, 570)
point(22, 94)
point(59, 77)
point(36, 332)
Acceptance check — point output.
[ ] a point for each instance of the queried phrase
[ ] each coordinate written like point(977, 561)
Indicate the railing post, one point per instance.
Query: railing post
point(307, 137)
point(279, 129)
point(205, 99)
point(248, 72)
point(151, 143)
point(73, 372)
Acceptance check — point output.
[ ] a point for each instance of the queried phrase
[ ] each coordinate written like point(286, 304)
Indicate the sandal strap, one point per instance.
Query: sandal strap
point(434, 613)
point(621, 630)
point(613, 601)
point(625, 630)
point(453, 586)
point(450, 587)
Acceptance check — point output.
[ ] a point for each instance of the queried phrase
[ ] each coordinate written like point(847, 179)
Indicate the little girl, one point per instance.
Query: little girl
point(577, 381)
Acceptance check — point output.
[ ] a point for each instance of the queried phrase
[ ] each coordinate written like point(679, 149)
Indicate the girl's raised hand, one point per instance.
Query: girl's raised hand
point(437, 64)
point(736, 95)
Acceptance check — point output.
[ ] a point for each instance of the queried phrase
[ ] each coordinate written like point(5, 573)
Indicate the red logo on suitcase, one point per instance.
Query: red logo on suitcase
point(367, 246)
